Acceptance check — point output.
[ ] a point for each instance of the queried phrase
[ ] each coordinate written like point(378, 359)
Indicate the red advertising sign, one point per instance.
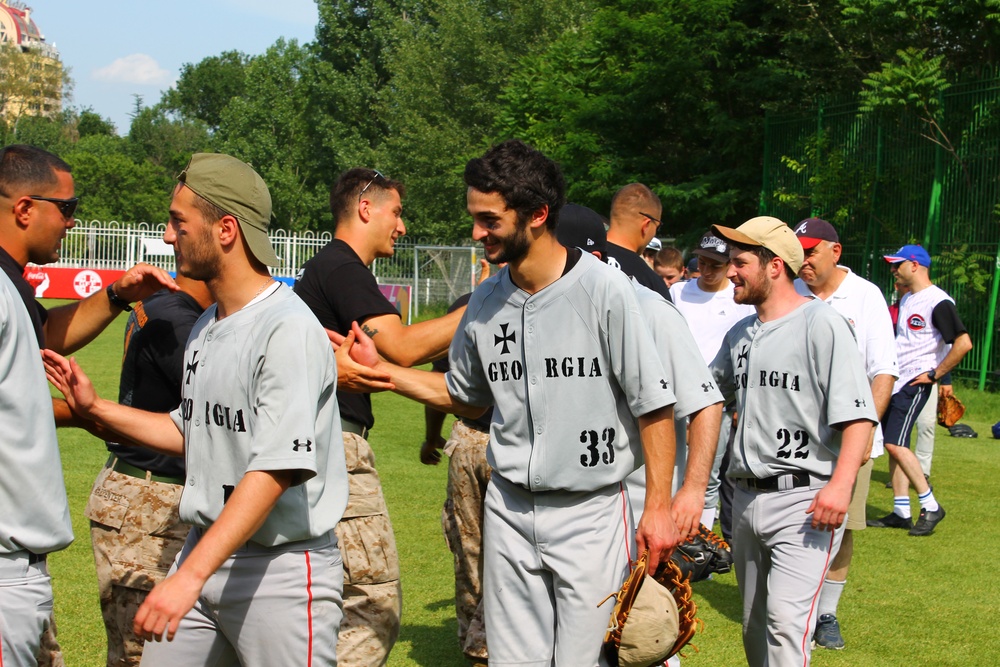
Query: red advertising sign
point(56, 283)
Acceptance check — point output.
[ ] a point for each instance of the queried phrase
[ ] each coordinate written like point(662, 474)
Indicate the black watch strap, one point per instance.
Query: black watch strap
point(116, 300)
point(932, 374)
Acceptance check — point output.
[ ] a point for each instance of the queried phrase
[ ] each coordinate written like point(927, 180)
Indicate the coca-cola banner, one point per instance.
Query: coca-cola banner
point(54, 283)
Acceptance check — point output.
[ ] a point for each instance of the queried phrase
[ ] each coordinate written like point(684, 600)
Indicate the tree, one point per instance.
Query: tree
point(204, 89)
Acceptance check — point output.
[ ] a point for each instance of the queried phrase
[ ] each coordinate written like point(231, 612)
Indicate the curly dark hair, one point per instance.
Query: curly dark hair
point(523, 176)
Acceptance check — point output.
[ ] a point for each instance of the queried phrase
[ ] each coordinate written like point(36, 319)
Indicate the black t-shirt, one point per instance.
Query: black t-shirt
point(153, 368)
point(340, 289)
point(634, 266)
point(945, 319)
point(36, 311)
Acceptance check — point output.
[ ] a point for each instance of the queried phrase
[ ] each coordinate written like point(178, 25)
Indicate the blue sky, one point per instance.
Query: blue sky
point(118, 48)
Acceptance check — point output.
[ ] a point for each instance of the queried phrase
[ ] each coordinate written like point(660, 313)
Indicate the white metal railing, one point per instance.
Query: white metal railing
point(438, 273)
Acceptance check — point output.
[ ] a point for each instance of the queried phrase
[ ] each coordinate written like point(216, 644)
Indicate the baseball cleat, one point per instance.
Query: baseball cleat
point(926, 522)
point(827, 633)
point(891, 520)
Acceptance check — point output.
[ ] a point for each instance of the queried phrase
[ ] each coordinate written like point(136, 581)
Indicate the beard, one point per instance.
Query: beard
point(755, 292)
point(512, 248)
point(201, 260)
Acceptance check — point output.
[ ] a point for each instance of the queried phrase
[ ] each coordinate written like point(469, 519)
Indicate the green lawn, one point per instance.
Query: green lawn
point(909, 602)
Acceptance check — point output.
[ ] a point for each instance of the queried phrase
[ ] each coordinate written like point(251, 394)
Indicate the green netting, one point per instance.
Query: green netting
point(885, 179)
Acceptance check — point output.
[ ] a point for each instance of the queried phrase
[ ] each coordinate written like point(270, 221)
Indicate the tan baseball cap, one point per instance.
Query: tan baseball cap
point(652, 627)
point(237, 189)
point(769, 233)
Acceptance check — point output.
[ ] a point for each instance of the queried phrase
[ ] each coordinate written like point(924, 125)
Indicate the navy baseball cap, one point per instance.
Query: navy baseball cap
point(712, 247)
point(910, 253)
point(812, 231)
point(582, 227)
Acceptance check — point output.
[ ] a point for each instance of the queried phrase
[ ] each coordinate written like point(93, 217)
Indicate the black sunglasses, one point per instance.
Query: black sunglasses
point(66, 206)
point(647, 215)
point(378, 174)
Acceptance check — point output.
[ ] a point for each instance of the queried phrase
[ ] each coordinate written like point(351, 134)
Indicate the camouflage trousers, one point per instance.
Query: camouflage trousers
point(50, 653)
point(373, 596)
point(135, 533)
point(462, 520)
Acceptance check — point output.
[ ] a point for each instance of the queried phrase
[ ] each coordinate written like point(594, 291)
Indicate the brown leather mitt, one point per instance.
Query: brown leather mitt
point(950, 410)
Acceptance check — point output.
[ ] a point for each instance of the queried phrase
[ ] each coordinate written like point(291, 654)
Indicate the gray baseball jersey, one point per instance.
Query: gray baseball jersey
point(568, 369)
point(259, 394)
point(686, 372)
point(33, 520)
point(794, 379)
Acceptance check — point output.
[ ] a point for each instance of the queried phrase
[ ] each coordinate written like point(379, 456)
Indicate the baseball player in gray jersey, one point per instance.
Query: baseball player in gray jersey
point(557, 342)
point(259, 580)
point(698, 400)
point(805, 417)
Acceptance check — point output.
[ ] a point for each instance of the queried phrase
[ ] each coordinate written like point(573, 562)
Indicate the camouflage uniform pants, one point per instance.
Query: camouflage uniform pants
point(135, 532)
point(50, 653)
point(372, 592)
point(462, 520)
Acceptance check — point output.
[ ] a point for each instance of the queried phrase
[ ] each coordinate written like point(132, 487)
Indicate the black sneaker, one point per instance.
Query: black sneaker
point(827, 633)
point(891, 520)
point(926, 522)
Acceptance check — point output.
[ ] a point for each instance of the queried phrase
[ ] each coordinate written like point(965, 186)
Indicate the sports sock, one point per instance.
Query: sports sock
point(928, 502)
point(708, 517)
point(829, 597)
point(901, 506)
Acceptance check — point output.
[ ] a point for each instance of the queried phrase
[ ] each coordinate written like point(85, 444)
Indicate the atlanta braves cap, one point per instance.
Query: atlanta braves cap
point(910, 253)
point(581, 227)
point(712, 247)
point(812, 231)
point(237, 189)
point(769, 233)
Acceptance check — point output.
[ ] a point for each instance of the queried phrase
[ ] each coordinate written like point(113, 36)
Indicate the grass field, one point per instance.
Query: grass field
point(910, 602)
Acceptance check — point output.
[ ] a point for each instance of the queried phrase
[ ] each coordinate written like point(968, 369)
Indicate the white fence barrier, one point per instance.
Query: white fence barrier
point(438, 274)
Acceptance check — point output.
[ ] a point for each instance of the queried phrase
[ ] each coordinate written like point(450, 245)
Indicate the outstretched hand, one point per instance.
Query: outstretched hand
point(141, 281)
point(67, 376)
point(356, 357)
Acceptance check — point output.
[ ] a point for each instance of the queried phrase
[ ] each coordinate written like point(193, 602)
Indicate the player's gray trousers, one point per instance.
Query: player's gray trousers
point(25, 608)
point(781, 561)
point(266, 606)
point(549, 559)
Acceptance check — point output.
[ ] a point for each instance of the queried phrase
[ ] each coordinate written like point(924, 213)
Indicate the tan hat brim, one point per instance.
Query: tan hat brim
point(259, 244)
point(730, 234)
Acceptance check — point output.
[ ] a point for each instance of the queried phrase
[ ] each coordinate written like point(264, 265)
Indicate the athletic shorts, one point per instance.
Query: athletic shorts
point(901, 416)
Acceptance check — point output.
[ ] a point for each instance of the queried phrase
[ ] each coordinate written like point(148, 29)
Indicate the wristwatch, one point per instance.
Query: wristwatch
point(116, 300)
point(932, 374)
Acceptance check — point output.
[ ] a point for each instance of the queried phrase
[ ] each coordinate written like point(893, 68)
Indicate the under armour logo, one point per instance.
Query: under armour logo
point(707, 387)
point(505, 338)
point(191, 368)
point(307, 444)
point(664, 384)
point(859, 402)
point(742, 356)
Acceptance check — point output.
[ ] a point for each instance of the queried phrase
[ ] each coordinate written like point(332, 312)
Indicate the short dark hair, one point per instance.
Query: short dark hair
point(28, 169)
point(209, 211)
point(345, 193)
point(523, 176)
point(634, 197)
point(764, 255)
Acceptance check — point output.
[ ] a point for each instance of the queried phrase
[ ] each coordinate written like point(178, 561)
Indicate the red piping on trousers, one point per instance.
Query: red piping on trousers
point(309, 609)
point(621, 493)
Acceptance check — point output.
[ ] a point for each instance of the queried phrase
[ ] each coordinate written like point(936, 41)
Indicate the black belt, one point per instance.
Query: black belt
point(124, 468)
point(353, 427)
point(34, 558)
point(795, 480)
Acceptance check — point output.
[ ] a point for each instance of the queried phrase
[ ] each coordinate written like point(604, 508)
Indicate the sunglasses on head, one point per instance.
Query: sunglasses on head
point(66, 206)
point(378, 174)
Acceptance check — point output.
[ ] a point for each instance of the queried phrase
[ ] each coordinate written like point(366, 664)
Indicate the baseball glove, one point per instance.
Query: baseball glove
point(950, 410)
point(703, 554)
point(653, 618)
